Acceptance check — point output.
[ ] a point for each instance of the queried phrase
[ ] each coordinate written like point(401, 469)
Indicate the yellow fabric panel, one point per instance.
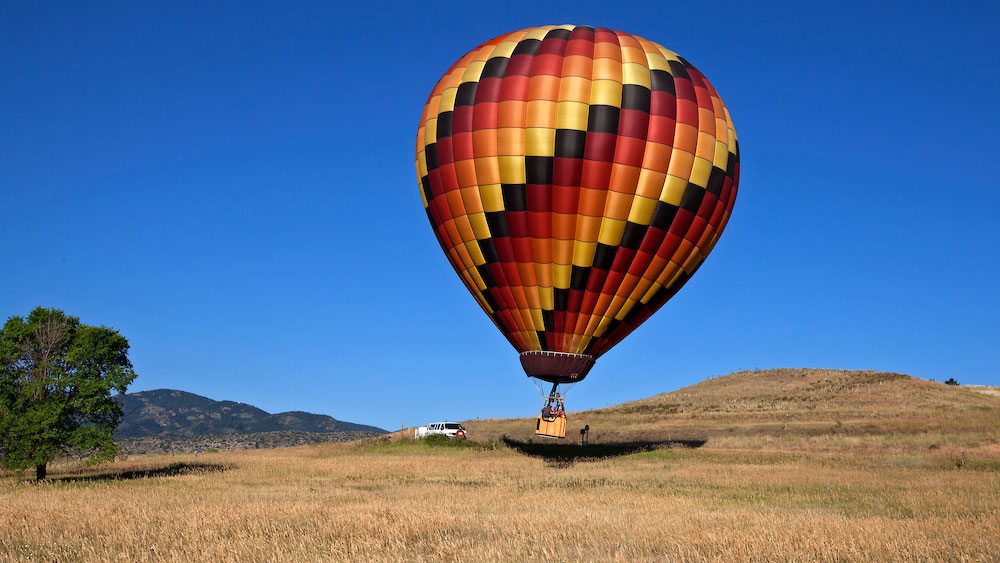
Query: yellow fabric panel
point(626, 307)
point(700, 172)
point(447, 99)
point(602, 326)
point(474, 71)
point(511, 169)
point(477, 280)
point(536, 318)
point(472, 246)
point(479, 225)
point(721, 157)
point(572, 115)
point(642, 210)
point(635, 73)
point(430, 130)
point(492, 197)
point(606, 92)
point(583, 253)
point(545, 296)
point(611, 231)
point(421, 164)
point(654, 58)
point(650, 293)
point(561, 275)
point(539, 141)
point(673, 190)
point(668, 54)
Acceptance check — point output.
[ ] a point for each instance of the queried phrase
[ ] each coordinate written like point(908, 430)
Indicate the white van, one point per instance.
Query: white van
point(449, 429)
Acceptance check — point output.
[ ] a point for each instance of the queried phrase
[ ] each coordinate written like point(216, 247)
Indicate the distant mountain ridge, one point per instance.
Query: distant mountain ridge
point(169, 412)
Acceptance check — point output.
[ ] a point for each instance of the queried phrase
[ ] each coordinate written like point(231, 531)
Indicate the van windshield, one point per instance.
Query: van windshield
point(453, 426)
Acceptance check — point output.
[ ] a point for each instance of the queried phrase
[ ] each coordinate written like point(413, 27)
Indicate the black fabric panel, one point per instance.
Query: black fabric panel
point(557, 34)
point(497, 222)
point(492, 303)
point(466, 95)
point(561, 298)
point(484, 272)
point(514, 198)
point(541, 340)
point(527, 47)
point(425, 184)
point(489, 250)
point(570, 143)
point(693, 194)
point(578, 277)
point(604, 256)
point(663, 216)
point(634, 232)
point(538, 170)
point(635, 97)
point(715, 180)
point(603, 119)
point(444, 124)
point(431, 156)
point(678, 70)
point(495, 68)
point(549, 319)
point(662, 81)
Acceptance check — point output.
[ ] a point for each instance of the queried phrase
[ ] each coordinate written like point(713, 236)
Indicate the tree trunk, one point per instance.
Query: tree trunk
point(40, 472)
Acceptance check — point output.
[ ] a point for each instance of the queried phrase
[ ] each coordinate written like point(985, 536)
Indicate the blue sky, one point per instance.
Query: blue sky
point(232, 187)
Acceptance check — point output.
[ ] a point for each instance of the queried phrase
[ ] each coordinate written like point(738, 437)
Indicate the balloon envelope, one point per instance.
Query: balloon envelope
point(576, 178)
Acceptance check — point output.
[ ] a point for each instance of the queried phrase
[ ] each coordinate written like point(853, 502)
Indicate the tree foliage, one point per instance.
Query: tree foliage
point(57, 376)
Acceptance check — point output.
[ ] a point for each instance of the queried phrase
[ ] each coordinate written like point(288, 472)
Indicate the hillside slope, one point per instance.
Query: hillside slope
point(168, 412)
point(789, 408)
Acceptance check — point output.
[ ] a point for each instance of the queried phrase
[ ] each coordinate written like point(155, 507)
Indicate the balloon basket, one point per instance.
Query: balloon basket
point(550, 427)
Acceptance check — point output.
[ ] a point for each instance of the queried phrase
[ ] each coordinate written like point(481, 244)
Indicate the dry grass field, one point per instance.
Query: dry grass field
point(797, 465)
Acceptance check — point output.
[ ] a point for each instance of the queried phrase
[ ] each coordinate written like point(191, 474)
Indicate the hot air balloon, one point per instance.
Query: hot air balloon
point(576, 178)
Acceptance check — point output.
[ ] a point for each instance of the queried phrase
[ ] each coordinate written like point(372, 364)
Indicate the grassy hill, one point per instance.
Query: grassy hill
point(797, 465)
point(793, 409)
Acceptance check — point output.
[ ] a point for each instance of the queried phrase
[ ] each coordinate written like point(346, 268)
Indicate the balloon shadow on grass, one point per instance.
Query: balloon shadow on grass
point(562, 454)
point(172, 470)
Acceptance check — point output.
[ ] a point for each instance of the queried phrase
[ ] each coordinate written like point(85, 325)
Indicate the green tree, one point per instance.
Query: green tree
point(56, 381)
